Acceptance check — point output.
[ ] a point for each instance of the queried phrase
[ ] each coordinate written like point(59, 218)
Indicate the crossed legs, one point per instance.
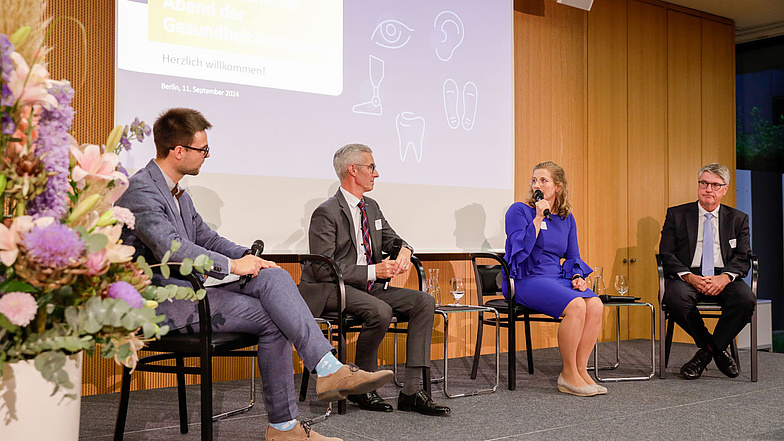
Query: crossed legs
point(577, 334)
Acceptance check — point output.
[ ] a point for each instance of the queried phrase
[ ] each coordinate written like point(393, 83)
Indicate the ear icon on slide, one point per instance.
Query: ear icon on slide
point(373, 107)
point(469, 104)
point(448, 34)
point(391, 34)
point(410, 134)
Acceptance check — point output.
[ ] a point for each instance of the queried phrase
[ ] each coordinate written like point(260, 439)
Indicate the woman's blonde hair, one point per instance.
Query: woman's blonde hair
point(562, 205)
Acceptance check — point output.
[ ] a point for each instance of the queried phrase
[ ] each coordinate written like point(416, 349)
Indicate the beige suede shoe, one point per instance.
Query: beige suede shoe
point(302, 432)
point(582, 391)
point(350, 380)
point(600, 390)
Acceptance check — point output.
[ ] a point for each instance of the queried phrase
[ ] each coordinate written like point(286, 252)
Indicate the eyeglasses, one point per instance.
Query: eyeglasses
point(205, 151)
point(714, 185)
point(371, 167)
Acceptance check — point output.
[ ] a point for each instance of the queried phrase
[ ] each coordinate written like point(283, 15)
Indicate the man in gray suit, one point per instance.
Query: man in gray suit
point(269, 305)
point(350, 229)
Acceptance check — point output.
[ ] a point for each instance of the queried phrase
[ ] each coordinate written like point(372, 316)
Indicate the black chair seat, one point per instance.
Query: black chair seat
point(189, 344)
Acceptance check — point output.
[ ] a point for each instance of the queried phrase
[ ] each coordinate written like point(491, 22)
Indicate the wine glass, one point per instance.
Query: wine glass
point(457, 289)
point(621, 285)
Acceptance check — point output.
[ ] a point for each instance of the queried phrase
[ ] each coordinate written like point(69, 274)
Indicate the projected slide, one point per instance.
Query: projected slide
point(426, 84)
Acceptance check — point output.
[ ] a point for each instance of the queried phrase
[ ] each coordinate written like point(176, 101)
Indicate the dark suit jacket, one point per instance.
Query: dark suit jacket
point(679, 239)
point(331, 234)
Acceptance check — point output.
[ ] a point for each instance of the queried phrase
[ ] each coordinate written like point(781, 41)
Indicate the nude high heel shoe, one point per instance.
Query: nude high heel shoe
point(582, 391)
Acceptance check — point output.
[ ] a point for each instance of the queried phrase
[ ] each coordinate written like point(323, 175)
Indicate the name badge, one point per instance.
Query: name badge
point(378, 224)
point(543, 226)
point(733, 243)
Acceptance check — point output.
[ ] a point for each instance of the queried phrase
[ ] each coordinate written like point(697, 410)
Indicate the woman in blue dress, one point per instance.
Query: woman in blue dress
point(535, 246)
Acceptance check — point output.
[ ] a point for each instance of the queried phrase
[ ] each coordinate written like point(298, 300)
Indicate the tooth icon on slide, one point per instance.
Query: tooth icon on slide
point(470, 95)
point(452, 107)
point(450, 103)
point(410, 134)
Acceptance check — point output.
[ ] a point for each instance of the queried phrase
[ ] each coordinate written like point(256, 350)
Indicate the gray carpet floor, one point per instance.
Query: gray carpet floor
point(713, 407)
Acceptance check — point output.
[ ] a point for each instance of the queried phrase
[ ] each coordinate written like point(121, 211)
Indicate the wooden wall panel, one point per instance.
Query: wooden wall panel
point(684, 105)
point(607, 140)
point(718, 97)
point(647, 123)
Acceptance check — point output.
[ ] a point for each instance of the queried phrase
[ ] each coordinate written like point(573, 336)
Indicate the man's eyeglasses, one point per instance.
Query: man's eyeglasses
point(205, 151)
point(714, 185)
point(371, 167)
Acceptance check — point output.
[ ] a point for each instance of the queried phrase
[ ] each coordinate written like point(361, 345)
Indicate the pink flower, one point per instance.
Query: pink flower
point(18, 307)
point(115, 251)
point(10, 237)
point(91, 163)
point(124, 216)
point(36, 89)
point(96, 263)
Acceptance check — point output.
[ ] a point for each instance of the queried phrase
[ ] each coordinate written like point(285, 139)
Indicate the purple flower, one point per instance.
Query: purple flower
point(6, 97)
point(54, 246)
point(6, 65)
point(7, 126)
point(125, 291)
point(52, 147)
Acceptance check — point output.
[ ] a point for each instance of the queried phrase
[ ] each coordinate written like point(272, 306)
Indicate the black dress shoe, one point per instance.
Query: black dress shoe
point(694, 367)
point(371, 401)
point(726, 364)
point(420, 402)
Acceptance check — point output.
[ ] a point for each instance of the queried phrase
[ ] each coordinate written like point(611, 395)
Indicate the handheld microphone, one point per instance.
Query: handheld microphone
point(256, 249)
point(538, 195)
point(397, 245)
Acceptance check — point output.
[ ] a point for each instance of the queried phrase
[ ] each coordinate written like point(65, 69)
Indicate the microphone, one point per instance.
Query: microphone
point(397, 245)
point(256, 249)
point(538, 195)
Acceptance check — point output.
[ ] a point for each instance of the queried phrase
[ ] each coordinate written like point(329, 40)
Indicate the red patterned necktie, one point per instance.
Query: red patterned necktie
point(366, 238)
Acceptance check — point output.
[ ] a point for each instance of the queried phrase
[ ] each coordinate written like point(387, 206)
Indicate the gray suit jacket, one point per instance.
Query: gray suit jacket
point(158, 222)
point(331, 234)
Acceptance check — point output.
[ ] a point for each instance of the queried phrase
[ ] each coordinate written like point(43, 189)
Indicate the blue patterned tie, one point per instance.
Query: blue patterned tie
point(366, 238)
point(707, 246)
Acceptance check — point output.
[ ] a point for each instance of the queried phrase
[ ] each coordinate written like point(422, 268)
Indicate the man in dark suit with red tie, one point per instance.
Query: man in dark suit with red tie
point(696, 272)
point(351, 229)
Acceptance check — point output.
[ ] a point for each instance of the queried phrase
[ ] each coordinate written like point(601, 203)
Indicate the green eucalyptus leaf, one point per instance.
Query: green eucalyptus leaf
point(165, 271)
point(186, 267)
point(175, 246)
point(201, 293)
point(142, 263)
point(166, 257)
point(95, 242)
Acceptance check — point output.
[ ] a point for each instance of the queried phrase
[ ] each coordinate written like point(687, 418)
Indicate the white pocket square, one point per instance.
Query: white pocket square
point(733, 243)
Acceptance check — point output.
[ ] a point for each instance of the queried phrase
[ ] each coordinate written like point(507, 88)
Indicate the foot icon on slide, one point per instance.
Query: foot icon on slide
point(373, 107)
point(451, 104)
point(410, 134)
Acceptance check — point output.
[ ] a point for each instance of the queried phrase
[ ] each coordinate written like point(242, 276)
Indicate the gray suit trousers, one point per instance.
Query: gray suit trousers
point(271, 307)
point(376, 312)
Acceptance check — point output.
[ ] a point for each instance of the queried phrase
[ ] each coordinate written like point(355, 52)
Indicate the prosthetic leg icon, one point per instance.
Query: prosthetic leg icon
point(373, 107)
point(451, 93)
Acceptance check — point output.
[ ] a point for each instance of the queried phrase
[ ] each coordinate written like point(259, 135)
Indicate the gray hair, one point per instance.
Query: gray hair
point(347, 155)
point(717, 169)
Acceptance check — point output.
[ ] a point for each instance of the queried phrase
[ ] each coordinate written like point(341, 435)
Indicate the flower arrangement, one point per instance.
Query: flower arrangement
point(67, 283)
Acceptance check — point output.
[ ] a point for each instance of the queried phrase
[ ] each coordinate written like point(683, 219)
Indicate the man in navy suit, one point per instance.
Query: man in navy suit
point(696, 272)
point(269, 305)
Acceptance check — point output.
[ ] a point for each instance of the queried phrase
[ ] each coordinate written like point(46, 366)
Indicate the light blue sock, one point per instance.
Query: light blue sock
point(284, 427)
point(328, 365)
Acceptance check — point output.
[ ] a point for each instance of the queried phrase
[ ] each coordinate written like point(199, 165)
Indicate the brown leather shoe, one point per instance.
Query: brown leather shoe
point(302, 432)
point(350, 380)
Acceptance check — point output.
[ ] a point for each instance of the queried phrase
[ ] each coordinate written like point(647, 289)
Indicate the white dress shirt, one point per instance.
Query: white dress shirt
point(356, 217)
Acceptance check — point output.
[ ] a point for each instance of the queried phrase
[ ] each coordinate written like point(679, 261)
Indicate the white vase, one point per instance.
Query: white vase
point(29, 411)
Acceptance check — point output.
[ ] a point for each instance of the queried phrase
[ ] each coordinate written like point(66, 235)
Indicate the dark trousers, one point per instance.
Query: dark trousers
point(737, 305)
point(376, 309)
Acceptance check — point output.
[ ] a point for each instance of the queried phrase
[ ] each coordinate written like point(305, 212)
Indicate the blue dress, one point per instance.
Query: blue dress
point(541, 281)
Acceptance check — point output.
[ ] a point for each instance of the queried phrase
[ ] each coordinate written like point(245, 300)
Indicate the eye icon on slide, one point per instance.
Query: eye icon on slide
point(391, 34)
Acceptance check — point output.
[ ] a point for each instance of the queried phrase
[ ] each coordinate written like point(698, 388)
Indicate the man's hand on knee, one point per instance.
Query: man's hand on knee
point(250, 264)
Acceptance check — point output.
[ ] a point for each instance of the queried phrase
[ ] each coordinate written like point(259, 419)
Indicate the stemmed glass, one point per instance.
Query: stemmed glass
point(456, 289)
point(621, 285)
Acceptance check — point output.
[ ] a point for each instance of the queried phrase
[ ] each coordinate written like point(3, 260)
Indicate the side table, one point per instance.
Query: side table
point(445, 310)
point(596, 368)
